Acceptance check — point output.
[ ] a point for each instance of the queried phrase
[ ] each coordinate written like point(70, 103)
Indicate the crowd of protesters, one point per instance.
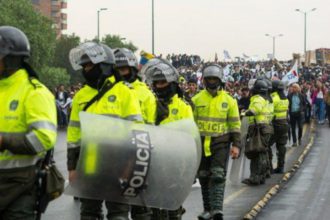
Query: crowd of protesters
point(64, 98)
point(313, 86)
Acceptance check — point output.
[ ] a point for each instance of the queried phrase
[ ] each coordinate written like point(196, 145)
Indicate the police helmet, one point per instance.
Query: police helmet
point(159, 69)
point(260, 86)
point(268, 82)
point(91, 52)
point(213, 70)
point(125, 58)
point(278, 85)
point(13, 42)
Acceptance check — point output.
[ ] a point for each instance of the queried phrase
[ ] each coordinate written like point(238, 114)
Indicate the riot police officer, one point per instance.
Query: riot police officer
point(280, 123)
point(114, 99)
point(171, 107)
point(259, 116)
point(217, 116)
point(27, 126)
point(127, 66)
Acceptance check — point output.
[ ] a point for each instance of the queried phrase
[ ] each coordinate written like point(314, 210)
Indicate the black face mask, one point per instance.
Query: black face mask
point(92, 76)
point(212, 86)
point(131, 77)
point(166, 93)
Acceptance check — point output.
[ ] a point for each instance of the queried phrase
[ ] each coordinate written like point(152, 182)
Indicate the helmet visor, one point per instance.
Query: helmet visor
point(87, 52)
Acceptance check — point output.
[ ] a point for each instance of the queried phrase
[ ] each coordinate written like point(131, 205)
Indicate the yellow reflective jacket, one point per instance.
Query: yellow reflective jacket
point(27, 120)
point(79, 101)
point(119, 102)
point(178, 110)
point(217, 117)
point(147, 101)
point(281, 107)
point(262, 112)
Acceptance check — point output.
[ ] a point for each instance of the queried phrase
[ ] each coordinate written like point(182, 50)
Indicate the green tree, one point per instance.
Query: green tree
point(116, 41)
point(42, 37)
point(53, 76)
point(61, 56)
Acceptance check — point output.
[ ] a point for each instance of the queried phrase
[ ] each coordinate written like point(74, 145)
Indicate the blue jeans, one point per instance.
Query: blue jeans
point(320, 109)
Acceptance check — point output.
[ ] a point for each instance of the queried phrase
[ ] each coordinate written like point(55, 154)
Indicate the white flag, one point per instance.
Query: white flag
point(226, 55)
point(226, 71)
point(292, 76)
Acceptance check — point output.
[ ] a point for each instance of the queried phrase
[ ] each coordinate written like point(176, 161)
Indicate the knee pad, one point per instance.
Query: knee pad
point(218, 175)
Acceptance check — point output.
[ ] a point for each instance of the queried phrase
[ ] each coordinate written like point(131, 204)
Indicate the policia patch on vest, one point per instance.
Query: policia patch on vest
point(112, 98)
point(225, 105)
point(13, 105)
point(175, 111)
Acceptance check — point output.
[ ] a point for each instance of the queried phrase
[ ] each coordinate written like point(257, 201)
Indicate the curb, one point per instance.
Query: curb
point(273, 191)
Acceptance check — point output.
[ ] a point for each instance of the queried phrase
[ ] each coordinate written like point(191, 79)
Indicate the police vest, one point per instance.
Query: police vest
point(79, 101)
point(215, 116)
point(27, 108)
point(147, 101)
point(281, 107)
point(119, 102)
point(262, 112)
point(178, 110)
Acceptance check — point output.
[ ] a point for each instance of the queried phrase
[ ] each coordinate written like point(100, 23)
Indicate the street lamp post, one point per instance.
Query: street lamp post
point(305, 26)
point(274, 37)
point(153, 25)
point(98, 22)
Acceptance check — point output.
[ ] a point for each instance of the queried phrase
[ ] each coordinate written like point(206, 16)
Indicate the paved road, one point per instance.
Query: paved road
point(307, 195)
point(238, 197)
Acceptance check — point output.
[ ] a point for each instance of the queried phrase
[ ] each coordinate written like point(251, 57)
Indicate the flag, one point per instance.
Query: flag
point(145, 57)
point(292, 76)
point(226, 55)
point(245, 56)
point(226, 71)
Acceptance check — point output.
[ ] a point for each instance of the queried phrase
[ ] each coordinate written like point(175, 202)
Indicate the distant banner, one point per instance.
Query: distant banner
point(226, 55)
point(292, 76)
point(245, 56)
point(226, 71)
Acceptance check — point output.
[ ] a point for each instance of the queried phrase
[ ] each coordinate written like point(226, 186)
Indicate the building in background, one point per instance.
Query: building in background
point(53, 9)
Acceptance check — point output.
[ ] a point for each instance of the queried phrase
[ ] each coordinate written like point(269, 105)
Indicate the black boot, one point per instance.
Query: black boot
point(206, 215)
point(279, 170)
point(217, 215)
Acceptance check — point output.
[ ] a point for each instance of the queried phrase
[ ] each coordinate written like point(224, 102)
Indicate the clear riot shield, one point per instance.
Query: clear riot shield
point(239, 167)
point(188, 126)
point(131, 163)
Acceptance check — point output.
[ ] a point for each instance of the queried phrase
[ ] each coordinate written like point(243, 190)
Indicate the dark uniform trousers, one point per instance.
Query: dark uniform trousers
point(280, 137)
point(260, 164)
point(212, 176)
point(18, 194)
point(92, 210)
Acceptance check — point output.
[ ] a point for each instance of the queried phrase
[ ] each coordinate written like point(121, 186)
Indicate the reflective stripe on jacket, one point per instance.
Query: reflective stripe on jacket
point(27, 120)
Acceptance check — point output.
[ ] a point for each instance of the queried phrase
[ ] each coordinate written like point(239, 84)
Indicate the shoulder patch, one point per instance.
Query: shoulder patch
point(13, 105)
point(224, 105)
point(112, 98)
point(175, 111)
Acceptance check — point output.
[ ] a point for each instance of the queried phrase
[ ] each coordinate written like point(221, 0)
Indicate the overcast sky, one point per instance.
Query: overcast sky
point(205, 27)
